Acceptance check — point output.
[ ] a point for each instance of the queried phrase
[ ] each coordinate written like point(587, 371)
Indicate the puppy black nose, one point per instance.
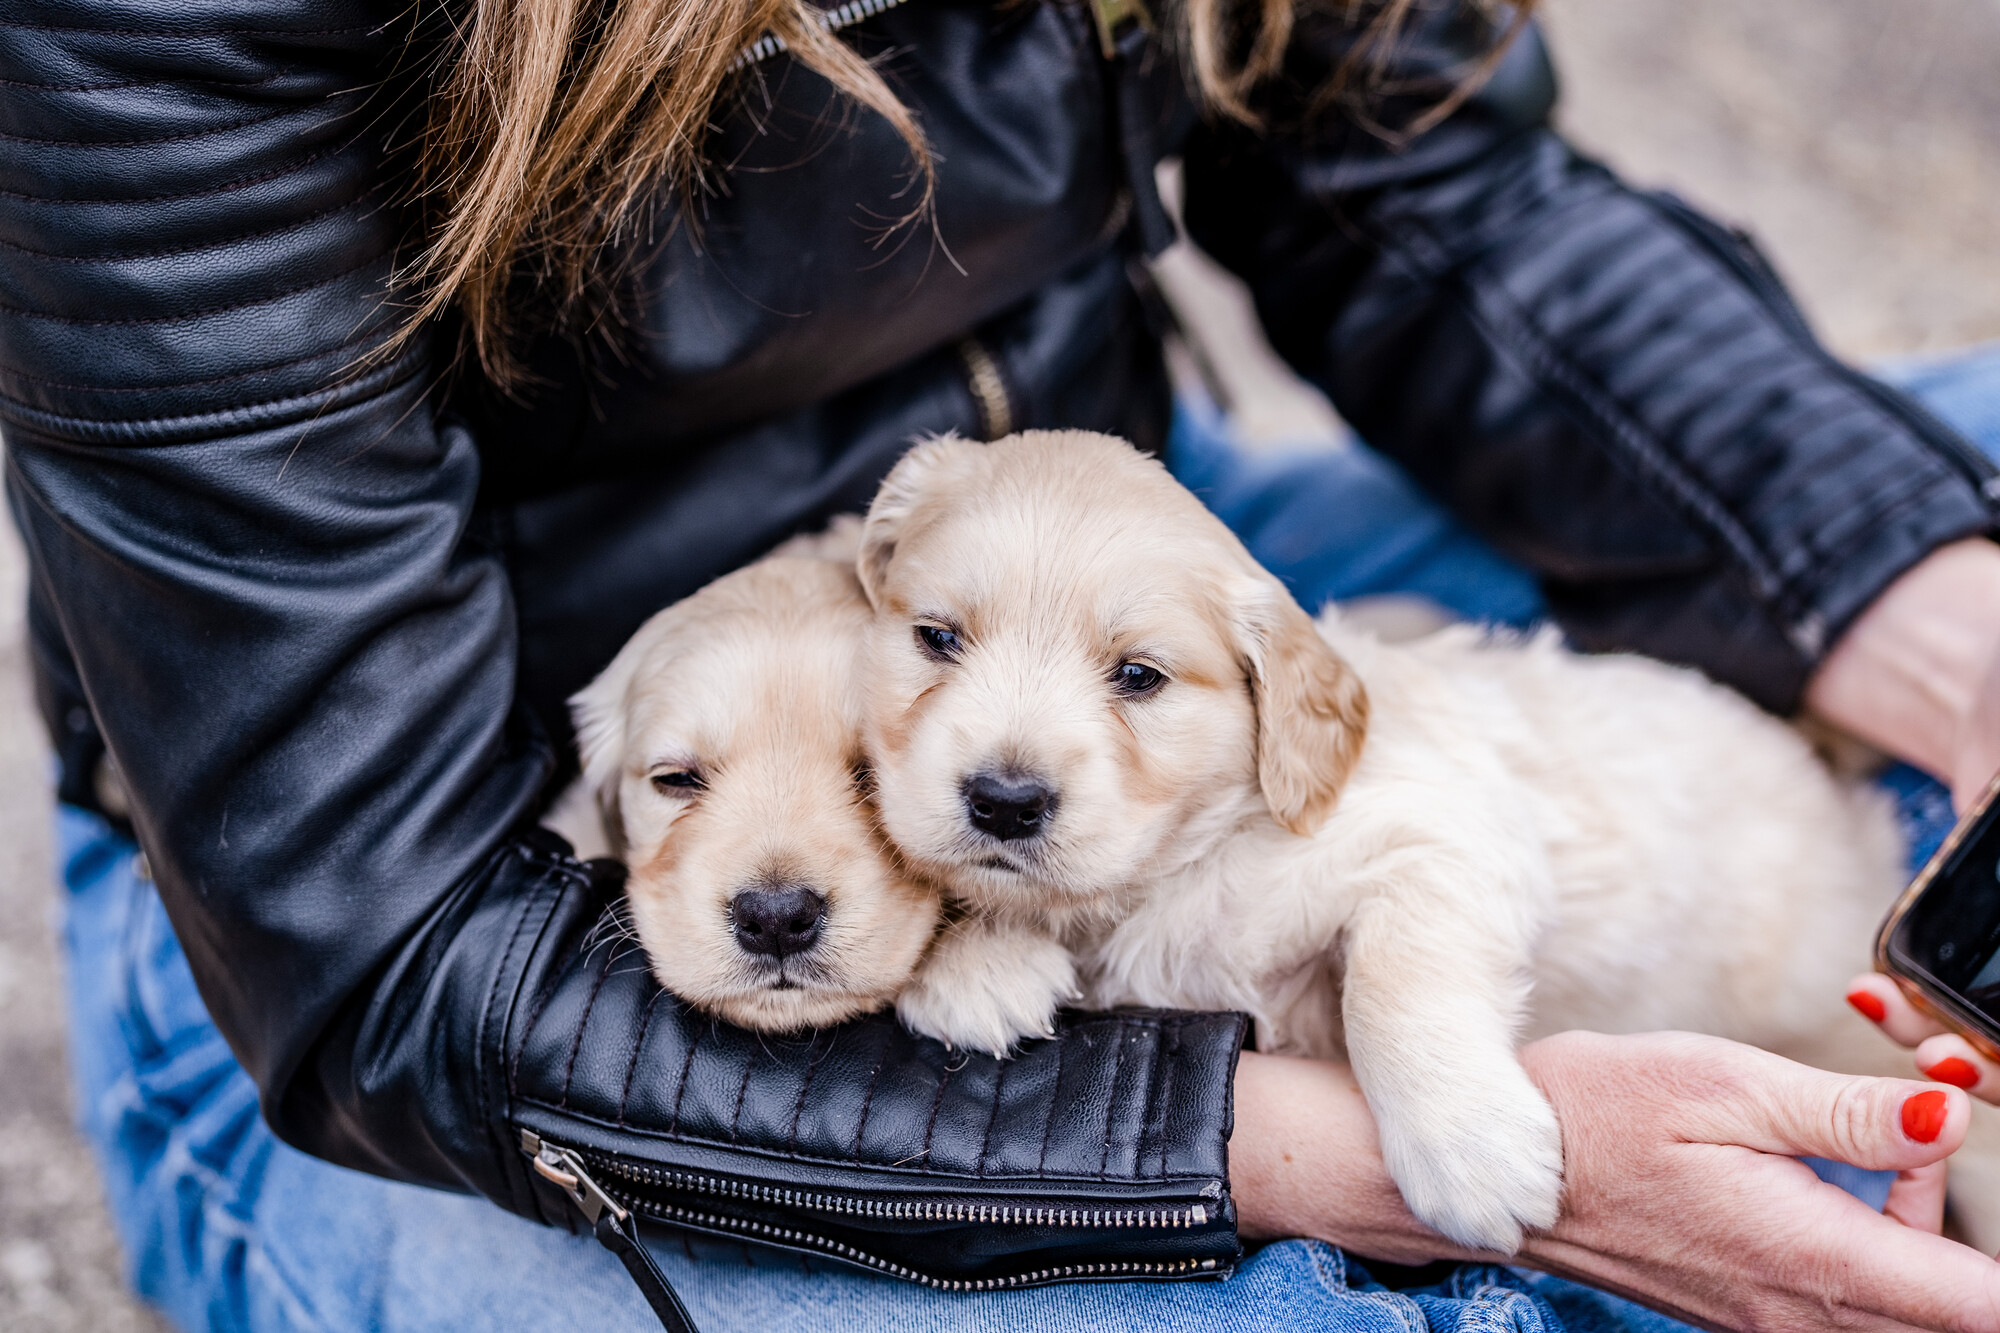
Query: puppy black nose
point(777, 922)
point(1008, 806)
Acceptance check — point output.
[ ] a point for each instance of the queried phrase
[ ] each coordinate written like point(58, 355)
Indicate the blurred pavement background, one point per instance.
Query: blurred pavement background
point(1858, 139)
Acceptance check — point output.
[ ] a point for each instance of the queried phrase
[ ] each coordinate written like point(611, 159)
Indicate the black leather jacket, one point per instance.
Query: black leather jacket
point(322, 612)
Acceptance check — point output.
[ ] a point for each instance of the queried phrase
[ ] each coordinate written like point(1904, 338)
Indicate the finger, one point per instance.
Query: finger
point(1881, 1001)
point(1880, 1124)
point(1916, 1199)
point(1824, 1268)
point(1905, 1277)
point(1950, 1058)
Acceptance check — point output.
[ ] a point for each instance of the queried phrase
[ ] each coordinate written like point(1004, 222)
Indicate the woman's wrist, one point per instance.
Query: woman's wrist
point(1915, 675)
point(1304, 1161)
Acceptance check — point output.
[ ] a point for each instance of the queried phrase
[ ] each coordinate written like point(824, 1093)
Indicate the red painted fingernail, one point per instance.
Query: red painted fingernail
point(1959, 1073)
point(1868, 1005)
point(1924, 1114)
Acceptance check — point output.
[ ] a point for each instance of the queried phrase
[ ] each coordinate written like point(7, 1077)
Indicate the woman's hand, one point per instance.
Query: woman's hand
point(1682, 1192)
point(1918, 674)
point(1941, 1053)
point(1680, 1189)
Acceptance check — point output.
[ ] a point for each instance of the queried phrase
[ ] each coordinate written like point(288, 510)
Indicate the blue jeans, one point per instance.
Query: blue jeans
point(225, 1228)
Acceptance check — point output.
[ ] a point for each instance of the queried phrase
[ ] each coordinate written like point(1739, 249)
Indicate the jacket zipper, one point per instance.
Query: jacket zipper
point(572, 1170)
point(845, 16)
point(989, 389)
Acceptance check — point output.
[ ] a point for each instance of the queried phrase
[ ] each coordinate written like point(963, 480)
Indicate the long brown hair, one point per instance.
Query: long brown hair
point(554, 124)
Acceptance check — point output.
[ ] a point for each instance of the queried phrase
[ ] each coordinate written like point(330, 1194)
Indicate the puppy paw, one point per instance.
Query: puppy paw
point(1481, 1164)
point(988, 987)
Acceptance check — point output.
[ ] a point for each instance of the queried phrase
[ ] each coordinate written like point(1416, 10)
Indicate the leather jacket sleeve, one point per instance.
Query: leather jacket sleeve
point(255, 559)
point(1609, 386)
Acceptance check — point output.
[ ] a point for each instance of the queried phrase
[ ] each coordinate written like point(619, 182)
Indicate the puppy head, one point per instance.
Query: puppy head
point(1078, 677)
point(723, 744)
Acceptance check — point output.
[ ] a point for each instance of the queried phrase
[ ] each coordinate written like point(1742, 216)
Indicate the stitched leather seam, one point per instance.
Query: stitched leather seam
point(868, 1098)
point(742, 1091)
point(1111, 1102)
point(195, 34)
point(930, 1126)
point(226, 84)
point(551, 893)
point(293, 224)
point(240, 183)
point(1156, 1095)
point(1000, 1077)
point(150, 432)
point(590, 1004)
point(687, 1065)
point(1049, 1124)
point(632, 1066)
point(799, 1107)
point(368, 335)
point(480, 1104)
point(182, 315)
point(493, 991)
point(508, 1162)
point(184, 137)
point(534, 1018)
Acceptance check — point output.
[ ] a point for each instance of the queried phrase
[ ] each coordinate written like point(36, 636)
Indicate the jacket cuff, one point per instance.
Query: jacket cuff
point(1100, 1153)
point(1850, 564)
point(1765, 647)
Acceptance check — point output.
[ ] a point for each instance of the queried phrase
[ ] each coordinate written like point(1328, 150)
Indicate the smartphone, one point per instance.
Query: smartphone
point(1941, 941)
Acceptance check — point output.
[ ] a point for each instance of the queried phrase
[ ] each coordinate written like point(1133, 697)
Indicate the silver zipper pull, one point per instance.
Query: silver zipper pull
point(565, 1169)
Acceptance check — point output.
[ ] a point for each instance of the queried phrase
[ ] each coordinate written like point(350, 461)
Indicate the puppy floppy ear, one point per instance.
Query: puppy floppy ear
point(1312, 711)
point(919, 474)
point(598, 713)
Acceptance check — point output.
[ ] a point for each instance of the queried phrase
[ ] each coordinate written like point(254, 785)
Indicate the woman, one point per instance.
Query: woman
point(317, 601)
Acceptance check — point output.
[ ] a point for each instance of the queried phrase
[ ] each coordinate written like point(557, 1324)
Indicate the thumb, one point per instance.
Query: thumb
point(1879, 1124)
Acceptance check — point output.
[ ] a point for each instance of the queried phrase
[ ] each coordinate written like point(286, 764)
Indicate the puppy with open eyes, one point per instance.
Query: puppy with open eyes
point(723, 747)
point(1119, 743)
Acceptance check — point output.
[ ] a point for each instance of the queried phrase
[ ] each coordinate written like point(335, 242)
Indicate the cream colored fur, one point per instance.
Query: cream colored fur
point(750, 686)
point(1414, 855)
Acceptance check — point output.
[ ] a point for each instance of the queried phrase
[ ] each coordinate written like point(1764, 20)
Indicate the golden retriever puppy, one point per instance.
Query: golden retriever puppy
point(723, 747)
point(1109, 734)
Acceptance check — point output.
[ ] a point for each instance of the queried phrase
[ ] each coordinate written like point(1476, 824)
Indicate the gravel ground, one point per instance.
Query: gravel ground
point(1856, 138)
point(59, 1266)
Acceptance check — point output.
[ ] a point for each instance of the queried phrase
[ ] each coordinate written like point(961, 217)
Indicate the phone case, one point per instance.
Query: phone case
point(1936, 1001)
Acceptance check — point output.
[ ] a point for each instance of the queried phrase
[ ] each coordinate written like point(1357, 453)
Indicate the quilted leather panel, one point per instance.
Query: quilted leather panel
point(1084, 1107)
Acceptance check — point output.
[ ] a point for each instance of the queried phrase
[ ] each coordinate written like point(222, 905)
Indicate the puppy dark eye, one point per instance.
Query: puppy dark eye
point(939, 642)
point(678, 781)
point(1137, 678)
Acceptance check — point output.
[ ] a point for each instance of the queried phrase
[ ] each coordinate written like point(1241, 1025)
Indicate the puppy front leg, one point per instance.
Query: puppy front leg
point(1431, 1001)
point(988, 985)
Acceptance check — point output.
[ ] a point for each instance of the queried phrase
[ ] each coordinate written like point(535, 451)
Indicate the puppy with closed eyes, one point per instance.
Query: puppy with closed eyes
point(723, 747)
point(1119, 744)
